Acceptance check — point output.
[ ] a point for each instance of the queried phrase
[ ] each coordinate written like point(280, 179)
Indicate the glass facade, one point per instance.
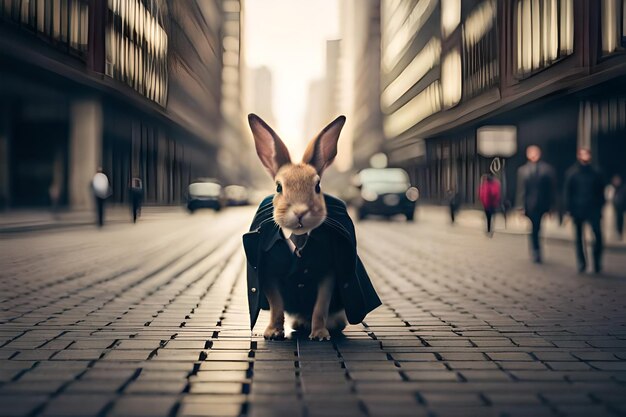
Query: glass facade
point(137, 45)
point(544, 31)
point(63, 23)
point(481, 68)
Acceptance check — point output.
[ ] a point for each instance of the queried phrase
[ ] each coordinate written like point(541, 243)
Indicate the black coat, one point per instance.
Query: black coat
point(356, 292)
point(536, 184)
point(584, 192)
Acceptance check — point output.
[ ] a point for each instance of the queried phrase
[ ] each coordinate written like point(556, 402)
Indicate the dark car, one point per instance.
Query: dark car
point(204, 194)
point(386, 192)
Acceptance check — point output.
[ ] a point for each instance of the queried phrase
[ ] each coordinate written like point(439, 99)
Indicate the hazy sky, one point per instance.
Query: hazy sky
point(289, 37)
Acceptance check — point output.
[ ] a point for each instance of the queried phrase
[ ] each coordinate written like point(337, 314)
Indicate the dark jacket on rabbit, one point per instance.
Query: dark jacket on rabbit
point(353, 289)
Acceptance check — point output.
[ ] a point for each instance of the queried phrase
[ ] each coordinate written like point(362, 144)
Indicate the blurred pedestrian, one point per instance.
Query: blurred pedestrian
point(617, 196)
point(453, 203)
point(136, 197)
point(584, 199)
point(54, 192)
point(536, 190)
point(101, 191)
point(489, 194)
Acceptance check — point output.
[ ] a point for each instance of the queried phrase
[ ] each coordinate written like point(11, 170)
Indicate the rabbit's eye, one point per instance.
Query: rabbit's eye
point(318, 189)
point(279, 187)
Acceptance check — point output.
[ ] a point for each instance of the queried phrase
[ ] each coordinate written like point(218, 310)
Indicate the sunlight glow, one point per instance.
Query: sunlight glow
point(289, 37)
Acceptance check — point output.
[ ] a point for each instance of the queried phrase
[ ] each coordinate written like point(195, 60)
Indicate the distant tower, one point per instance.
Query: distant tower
point(260, 99)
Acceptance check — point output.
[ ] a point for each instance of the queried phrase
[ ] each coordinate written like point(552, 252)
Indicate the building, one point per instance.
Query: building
point(133, 86)
point(322, 104)
point(235, 152)
point(359, 86)
point(552, 69)
point(261, 94)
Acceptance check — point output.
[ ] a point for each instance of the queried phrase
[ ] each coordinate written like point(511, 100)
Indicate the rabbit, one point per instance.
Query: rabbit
point(308, 267)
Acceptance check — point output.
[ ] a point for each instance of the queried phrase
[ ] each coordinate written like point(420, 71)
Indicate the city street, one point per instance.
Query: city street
point(151, 320)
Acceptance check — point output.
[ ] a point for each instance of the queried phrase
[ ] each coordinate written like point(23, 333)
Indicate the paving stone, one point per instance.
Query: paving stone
point(452, 398)
point(79, 405)
point(609, 366)
point(397, 411)
point(485, 375)
point(216, 388)
point(143, 406)
point(94, 386)
point(510, 356)
point(431, 375)
point(511, 365)
point(463, 356)
point(31, 387)
point(595, 356)
point(402, 357)
point(33, 355)
point(471, 365)
point(375, 376)
point(77, 354)
point(224, 366)
point(569, 366)
point(221, 376)
point(156, 387)
point(513, 398)
point(209, 410)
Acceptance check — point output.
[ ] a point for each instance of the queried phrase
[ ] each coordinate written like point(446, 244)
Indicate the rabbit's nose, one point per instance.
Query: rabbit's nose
point(300, 212)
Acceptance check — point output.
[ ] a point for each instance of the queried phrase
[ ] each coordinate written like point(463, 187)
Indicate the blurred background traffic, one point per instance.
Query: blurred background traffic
point(155, 93)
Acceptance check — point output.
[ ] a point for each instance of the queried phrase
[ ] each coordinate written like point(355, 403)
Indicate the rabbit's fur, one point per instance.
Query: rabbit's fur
point(299, 208)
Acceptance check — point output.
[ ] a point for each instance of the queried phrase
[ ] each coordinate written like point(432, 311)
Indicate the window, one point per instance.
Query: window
point(63, 23)
point(613, 25)
point(401, 38)
point(136, 47)
point(423, 62)
point(451, 81)
point(450, 16)
point(544, 32)
point(417, 109)
point(480, 49)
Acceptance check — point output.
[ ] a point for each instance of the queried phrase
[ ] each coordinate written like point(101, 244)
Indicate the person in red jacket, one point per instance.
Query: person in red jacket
point(489, 194)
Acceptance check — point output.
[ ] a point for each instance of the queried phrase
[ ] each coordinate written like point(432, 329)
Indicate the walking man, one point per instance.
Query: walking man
point(584, 199)
point(101, 190)
point(536, 189)
point(136, 197)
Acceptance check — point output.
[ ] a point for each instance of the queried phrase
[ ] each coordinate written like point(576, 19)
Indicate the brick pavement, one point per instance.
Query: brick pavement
point(152, 321)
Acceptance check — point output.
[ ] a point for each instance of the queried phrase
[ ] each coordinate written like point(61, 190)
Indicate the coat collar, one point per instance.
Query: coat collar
point(271, 236)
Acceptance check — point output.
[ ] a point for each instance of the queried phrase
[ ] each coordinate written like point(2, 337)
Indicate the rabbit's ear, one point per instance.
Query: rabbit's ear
point(271, 150)
point(322, 150)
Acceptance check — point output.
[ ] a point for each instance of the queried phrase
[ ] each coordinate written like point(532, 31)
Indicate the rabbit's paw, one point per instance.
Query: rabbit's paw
point(274, 333)
point(319, 334)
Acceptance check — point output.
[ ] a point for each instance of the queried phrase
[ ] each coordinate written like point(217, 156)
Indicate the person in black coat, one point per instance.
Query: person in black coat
point(584, 199)
point(536, 189)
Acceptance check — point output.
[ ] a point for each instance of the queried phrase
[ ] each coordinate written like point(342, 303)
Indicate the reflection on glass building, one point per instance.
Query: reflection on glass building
point(554, 69)
point(133, 86)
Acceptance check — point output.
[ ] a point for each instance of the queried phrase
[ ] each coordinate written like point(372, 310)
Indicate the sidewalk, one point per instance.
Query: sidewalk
point(18, 221)
point(519, 224)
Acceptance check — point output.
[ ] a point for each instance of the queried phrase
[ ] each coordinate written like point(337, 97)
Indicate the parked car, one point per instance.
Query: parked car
point(205, 194)
point(386, 192)
point(236, 195)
